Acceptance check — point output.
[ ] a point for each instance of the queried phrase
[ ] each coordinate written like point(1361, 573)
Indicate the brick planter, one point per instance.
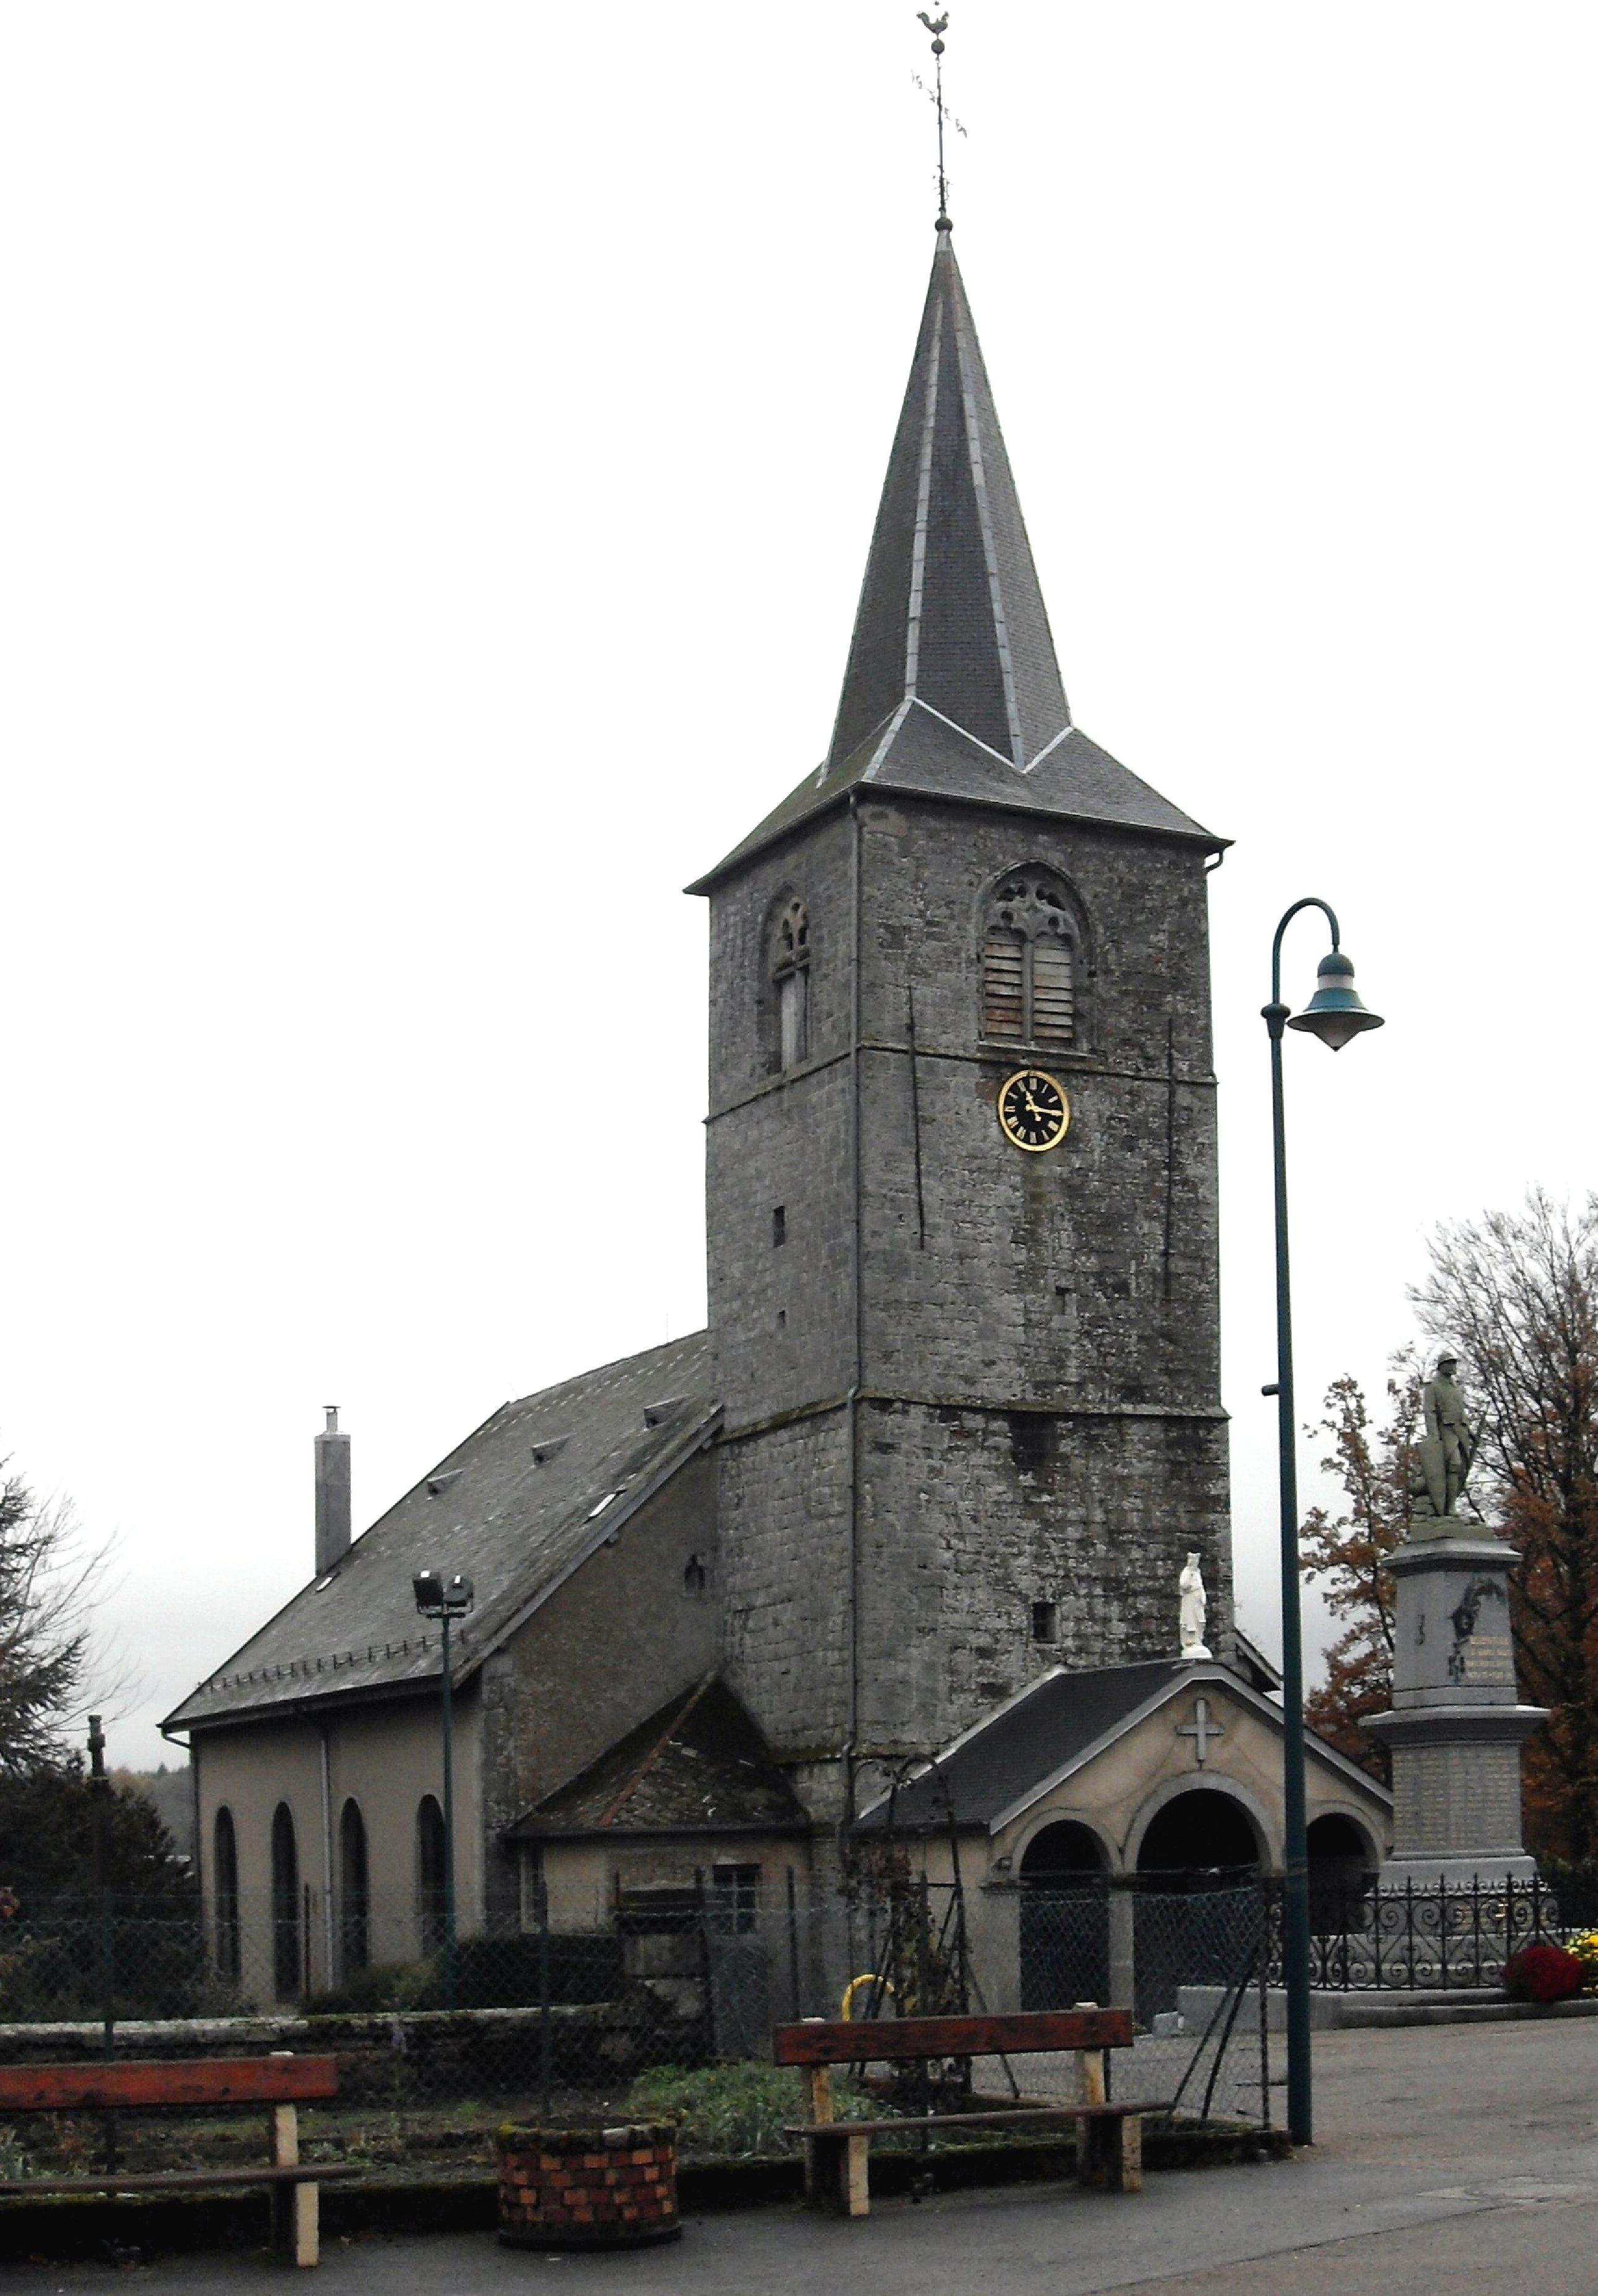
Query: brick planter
point(588, 2187)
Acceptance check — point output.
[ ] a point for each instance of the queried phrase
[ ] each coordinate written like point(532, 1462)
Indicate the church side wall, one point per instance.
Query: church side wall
point(385, 1756)
point(610, 1646)
point(584, 1878)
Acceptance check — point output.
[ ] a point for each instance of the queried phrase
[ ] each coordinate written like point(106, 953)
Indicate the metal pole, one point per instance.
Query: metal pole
point(449, 1836)
point(545, 2038)
point(1295, 1904)
point(99, 1789)
point(1295, 1936)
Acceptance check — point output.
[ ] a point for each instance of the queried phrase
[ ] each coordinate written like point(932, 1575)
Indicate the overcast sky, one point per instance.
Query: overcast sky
point(437, 451)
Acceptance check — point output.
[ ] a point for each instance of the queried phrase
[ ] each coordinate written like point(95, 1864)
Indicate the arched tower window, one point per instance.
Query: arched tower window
point(286, 1976)
point(355, 1891)
point(225, 1894)
point(429, 1874)
point(1029, 941)
point(790, 981)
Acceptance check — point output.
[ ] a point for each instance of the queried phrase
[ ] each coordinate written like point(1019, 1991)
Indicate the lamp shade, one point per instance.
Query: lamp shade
point(1335, 1013)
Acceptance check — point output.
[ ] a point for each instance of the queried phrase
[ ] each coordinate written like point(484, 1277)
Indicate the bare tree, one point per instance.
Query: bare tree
point(1517, 1294)
point(48, 1587)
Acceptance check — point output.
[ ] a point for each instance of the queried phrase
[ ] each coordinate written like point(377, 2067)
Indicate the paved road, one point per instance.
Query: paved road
point(1454, 2160)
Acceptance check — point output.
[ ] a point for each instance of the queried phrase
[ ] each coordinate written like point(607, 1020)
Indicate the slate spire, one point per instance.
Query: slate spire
point(952, 689)
point(950, 610)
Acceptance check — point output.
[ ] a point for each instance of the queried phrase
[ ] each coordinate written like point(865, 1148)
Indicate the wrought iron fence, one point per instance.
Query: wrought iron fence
point(1440, 1937)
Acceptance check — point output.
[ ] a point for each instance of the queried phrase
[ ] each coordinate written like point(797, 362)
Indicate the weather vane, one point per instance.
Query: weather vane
point(938, 27)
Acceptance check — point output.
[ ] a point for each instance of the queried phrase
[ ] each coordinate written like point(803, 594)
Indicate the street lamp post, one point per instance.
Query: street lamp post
point(1334, 1014)
point(446, 1599)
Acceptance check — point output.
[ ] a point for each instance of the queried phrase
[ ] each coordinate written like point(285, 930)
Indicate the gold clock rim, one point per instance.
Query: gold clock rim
point(1034, 1147)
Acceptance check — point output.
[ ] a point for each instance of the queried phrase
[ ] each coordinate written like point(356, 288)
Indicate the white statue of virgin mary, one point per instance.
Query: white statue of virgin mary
point(1194, 1609)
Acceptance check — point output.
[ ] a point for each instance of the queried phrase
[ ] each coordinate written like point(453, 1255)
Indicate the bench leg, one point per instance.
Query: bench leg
point(1109, 2153)
point(296, 2209)
point(836, 2170)
point(307, 2223)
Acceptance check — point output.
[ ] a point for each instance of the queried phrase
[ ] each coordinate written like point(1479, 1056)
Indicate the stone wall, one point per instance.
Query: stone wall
point(1040, 1361)
point(546, 1718)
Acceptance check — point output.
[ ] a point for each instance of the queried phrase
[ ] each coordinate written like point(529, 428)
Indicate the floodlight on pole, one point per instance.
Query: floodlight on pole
point(446, 1599)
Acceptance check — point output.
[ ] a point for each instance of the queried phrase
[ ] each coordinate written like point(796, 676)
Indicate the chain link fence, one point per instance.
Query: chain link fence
point(651, 1999)
point(664, 1997)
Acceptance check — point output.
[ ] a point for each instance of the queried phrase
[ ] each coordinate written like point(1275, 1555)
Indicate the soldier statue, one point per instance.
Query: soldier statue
point(1448, 1446)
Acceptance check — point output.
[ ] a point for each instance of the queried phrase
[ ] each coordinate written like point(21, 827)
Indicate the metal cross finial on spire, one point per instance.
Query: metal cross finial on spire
point(938, 29)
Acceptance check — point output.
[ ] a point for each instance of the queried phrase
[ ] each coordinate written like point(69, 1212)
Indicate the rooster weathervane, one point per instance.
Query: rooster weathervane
point(938, 26)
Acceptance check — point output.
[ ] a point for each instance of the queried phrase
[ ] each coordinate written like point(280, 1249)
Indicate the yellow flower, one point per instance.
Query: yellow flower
point(1586, 1949)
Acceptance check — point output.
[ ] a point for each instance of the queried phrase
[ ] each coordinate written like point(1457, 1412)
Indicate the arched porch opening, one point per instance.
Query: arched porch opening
point(1342, 1870)
point(1200, 1908)
point(1064, 1918)
point(1200, 1840)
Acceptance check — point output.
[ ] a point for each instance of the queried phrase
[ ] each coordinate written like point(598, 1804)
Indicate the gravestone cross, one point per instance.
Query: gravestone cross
point(1201, 1729)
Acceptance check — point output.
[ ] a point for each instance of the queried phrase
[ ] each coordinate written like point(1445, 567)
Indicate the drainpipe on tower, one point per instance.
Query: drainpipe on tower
point(850, 1749)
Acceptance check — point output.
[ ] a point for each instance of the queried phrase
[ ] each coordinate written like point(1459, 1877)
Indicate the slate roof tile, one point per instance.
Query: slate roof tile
point(1025, 1741)
point(952, 687)
point(516, 1506)
point(699, 1762)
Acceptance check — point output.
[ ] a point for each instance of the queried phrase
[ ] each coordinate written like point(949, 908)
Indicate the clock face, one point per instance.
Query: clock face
point(1033, 1111)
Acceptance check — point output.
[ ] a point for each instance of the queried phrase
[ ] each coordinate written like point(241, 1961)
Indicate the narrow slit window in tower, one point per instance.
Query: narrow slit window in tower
point(790, 976)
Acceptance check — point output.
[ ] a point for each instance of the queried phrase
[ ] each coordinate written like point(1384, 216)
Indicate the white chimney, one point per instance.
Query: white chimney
point(332, 1493)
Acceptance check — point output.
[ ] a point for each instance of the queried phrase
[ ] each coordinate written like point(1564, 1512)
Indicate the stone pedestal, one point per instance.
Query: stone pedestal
point(1456, 1726)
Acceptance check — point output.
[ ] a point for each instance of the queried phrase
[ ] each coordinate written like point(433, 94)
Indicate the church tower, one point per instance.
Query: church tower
point(966, 1330)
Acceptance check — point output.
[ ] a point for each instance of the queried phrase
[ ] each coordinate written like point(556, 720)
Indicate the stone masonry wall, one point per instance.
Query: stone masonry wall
point(543, 1718)
point(784, 1544)
point(960, 1537)
point(780, 1140)
point(1041, 1416)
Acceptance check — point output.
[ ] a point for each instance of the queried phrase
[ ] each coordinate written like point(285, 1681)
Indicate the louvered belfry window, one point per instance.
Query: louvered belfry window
point(790, 975)
point(1029, 977)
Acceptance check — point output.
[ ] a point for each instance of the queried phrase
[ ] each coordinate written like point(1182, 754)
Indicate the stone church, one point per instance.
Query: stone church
point(926, 1484)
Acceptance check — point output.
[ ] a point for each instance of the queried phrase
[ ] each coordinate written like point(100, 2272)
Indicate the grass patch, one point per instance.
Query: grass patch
point(737, 2111)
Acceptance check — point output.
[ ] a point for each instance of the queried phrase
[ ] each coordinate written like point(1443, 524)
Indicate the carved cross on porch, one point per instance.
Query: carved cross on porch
point(1201, 1729)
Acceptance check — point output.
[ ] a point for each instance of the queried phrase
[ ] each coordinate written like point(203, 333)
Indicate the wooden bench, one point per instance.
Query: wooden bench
point(1109, 2136)
point(282, 2082)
